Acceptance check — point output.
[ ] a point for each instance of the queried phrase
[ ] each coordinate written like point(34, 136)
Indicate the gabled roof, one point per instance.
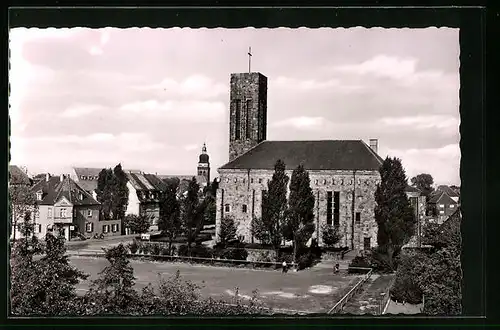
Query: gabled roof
point(145, 182)
point(88, 185)
point(448, 190)
point(87, 171)
point(17, 176)
point(53, 190)
point(440, 197)
point(313, 155)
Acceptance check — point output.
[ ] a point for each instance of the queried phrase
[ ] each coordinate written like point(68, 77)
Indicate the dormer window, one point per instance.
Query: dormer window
point(80, 196)
point(39, 196)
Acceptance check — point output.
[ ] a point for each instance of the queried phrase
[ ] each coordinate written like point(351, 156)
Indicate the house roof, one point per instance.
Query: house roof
point(145, 182)
point(88, 185)
point(54, 189)
point(18, 176)
point(87, 171)
point(313, 155)
point(448, 190)
point(412, 189)
point(441, 197)
point(202, 180)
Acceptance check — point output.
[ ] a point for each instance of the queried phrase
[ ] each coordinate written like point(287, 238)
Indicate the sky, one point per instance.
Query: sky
point(149, 98)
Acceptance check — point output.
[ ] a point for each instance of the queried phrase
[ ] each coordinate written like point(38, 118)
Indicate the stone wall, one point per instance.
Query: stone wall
point(244, 187)
point(261, 255)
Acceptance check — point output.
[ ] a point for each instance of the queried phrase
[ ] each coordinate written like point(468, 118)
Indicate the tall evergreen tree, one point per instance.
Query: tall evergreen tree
point(268, 228)
point(113, 292)
point(300, 216)
point(120, 196)
point(169, 222)
point(192, 212)
point(393, 212)
point(104, 192)
point(22, 200)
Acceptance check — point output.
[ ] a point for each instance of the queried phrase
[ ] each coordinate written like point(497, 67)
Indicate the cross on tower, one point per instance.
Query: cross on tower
point(249, 59)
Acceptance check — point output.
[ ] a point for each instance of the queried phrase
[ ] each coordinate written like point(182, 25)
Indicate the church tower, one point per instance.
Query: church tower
point(204, 164)
point(247, 112)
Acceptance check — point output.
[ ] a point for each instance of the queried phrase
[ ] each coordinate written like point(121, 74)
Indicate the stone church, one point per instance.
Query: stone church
point(343, 173)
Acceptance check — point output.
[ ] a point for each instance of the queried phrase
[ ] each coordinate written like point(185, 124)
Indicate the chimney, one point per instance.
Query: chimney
point(374, 145)
point(47, 177)
point(61, 177)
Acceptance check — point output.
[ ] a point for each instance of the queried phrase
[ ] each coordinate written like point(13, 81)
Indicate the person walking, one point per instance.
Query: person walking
point(284, 266)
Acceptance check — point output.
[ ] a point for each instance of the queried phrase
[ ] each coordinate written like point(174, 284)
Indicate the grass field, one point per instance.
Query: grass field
point(314, 290)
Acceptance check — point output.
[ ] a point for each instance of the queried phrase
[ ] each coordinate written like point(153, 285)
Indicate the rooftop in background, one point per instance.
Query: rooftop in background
point(314, 155)
point(54, 189)
point(17, 176)
point(448, 190)
point(412, 189)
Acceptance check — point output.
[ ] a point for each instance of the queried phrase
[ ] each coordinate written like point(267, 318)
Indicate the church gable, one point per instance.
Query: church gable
point(314, 155)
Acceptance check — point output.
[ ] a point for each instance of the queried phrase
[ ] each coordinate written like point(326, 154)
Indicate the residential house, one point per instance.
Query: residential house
point(443, 204)
point(145, 191)
point(67, 208)
point(453, 193)
point(87, 178)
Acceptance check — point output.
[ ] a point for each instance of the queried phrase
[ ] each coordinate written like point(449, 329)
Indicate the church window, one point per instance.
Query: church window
point(342, 182)
point(359, 181)
point(244, 208)
point(251, 180)
point(367, 243)
point(329, 202)
point(227, 180)
point(358, 217)
point(316, 182)
point(243, 180)
point(260, 180)
point(248, 119)
point(336, 208)
point(227, 208)
point(324, 181)
point(237, 119)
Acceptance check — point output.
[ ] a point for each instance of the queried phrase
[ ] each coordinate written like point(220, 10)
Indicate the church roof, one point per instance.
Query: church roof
point(313, 155)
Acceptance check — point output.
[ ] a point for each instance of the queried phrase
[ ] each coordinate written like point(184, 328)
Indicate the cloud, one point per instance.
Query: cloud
point(334, 85)
point(183, 111)
point(443, 162)
point(383, 66)
point(81, 110)
point(195, 86)
point(302, 123)
point(422, 122)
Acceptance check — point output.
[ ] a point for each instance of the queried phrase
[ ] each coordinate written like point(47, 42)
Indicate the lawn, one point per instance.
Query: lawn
point(314, 290)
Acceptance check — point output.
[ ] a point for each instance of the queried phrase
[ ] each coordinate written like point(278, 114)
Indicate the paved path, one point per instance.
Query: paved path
point(400, 308)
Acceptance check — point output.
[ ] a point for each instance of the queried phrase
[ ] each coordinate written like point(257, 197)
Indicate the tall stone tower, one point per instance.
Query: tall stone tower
point(247, 112)
point(204, 164)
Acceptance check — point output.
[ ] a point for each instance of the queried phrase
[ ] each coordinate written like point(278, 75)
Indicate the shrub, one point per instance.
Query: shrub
point(234, 254)
point(133, 246)
point(315, 249)
point(359, 262)
point(201, 251)
point(164, 251)
point(305, 260)
point(379, 261)
point(155, 249)
point(182, 251)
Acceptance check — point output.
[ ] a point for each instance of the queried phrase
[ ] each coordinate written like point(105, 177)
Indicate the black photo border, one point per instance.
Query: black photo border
point(478, 177)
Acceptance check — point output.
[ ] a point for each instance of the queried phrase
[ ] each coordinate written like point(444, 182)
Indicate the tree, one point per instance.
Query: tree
point(113, 292)
point(45, 286)
point(210, 211)
point(227, 230)
point(268, 228)
point(299, 225)
point(393, 212)
point(138, 224)
point(423, 182)
point(169, 222)
point(104, 192)
point(192, 212)
point(22, 201)
point(330, 235)
point(120, 193)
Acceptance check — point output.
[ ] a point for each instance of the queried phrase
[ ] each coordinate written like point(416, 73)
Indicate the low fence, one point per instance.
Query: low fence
point(210, 261)
point(385, 297)
point(339, 306)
